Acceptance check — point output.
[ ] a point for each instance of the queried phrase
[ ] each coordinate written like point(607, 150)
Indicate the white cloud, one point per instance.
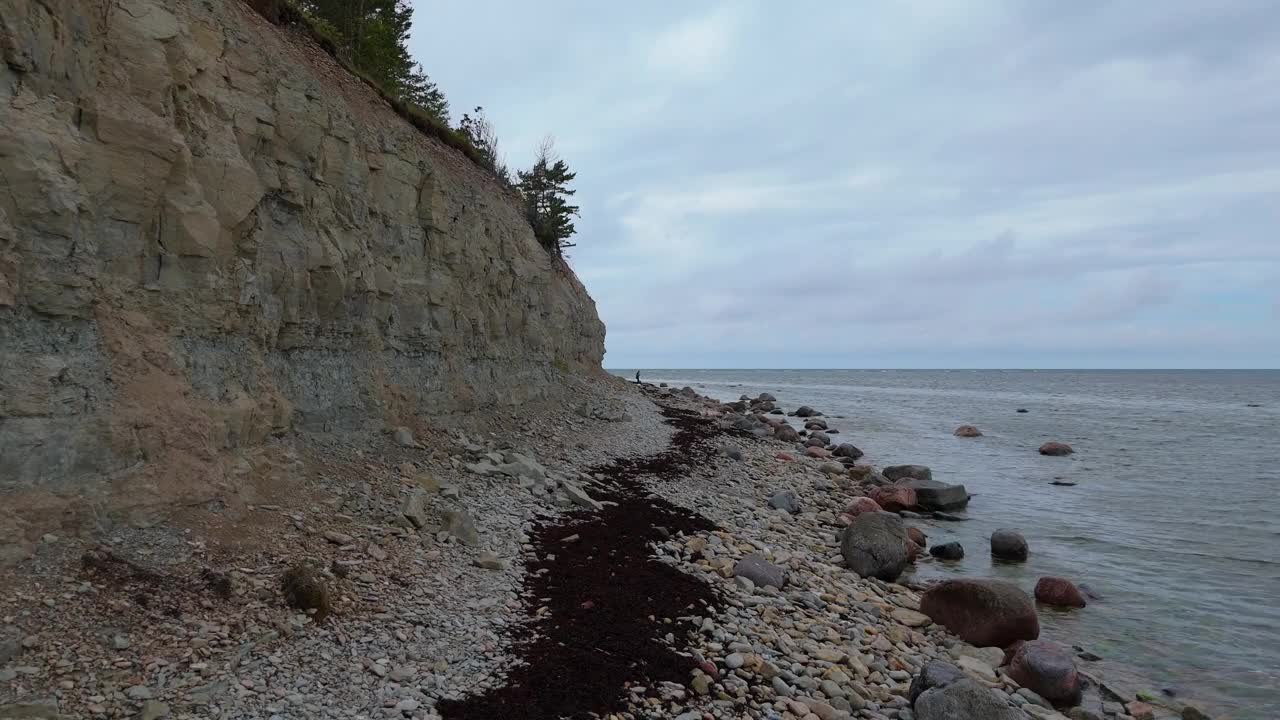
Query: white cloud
point(695, 47)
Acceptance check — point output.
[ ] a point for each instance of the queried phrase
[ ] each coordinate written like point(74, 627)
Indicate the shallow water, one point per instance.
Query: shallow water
point(1171, 521)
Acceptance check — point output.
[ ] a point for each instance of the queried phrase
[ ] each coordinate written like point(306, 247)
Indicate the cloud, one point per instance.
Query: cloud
point(917, 183)
point(695, 47)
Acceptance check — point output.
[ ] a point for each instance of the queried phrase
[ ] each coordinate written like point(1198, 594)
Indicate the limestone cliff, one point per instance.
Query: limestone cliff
point(210, 233)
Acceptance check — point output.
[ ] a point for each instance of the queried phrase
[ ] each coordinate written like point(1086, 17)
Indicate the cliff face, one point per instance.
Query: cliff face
point(210, 233)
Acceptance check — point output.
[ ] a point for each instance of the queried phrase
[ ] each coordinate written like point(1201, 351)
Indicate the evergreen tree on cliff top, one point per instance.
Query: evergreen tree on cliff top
point(546, 193)
point(373, 34)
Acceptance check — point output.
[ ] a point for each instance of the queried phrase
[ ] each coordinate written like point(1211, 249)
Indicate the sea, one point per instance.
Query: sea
point(1172, 521)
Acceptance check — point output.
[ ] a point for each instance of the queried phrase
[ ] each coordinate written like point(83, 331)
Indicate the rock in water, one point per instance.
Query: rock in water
point(934, 495)
point(847, 450)
point(1055, 448)
point(967, 431)
point(947, 551)
point(1047, 669)
point(1059, 591)
point(1008, 544)
point(875, 545)
point(898, 472)
point(894, 498)
point(983, 612)
point(917, 536)
point(819, 438)
point(963, 700)
point(760, 571)
point(935, 673)
point(806, 411)
point(786, 501)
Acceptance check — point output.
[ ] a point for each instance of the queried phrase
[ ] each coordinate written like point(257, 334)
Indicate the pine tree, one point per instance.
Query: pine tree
point(374, 34)
point(546, 192)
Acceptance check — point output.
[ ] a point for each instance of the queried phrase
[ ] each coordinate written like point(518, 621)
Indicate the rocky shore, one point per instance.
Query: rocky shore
point(641, 552)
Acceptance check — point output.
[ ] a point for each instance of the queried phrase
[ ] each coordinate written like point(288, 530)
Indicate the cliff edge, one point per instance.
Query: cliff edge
point(211, 233)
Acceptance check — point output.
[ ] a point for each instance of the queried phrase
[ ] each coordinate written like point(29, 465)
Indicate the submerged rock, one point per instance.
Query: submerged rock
point(899, 472)
point(947, 551)
point(983, 612)
point(875, 545)
point(1055, 448)
point(967, 431)
point(1059, 591)
point(806, 411)
point(1008, 544)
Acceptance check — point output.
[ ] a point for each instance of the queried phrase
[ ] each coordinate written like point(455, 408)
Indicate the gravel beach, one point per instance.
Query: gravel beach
point(640, 552)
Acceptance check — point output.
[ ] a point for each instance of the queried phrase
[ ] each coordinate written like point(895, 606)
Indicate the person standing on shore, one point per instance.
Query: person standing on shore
point(638, 378)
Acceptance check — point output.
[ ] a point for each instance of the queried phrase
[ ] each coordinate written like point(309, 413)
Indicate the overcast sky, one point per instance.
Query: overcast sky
point(900, 184)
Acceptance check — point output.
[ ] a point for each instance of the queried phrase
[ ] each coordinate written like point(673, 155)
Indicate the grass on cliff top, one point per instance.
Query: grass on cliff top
point(285, 12)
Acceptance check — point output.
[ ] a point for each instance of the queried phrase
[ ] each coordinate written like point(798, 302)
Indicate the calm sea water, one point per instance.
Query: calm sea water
point(1173, 520)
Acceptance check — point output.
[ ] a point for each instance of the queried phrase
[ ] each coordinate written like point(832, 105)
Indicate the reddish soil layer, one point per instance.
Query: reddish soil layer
point(611, 603)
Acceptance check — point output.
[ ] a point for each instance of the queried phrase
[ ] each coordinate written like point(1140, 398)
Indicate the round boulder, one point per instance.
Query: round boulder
point(875, 545)
point(1008, 544)
point(860, 505)
point(806, 411)
point(1059, 591)
point(894, 498)
point(983, 612)
point(786, 433)
point(917, 536)
point(1055, 449)
point(965, 699)
point(935, 673)
point(817, 452)
point(1047, 669)
point(948, 551)
point(815, 424)
point(847, 450)
point(967, 431)
point(831, 468)
point(819, 438)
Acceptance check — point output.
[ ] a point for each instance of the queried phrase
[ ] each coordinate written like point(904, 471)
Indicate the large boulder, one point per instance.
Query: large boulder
point(898, 472)
point(1059, 591)
point(817, 452)
point(1008, 544)
point(875, 545)
point(766, 397)
point(815, 424)
point(935, 673)
point(965, 699)
point(894, 498)
point(967, 431)
point(917, 536)
point(860, 505)
point(806, 411)
point(786, 433)
point(934, 495)
point(760, 571)
point(818, 439)
point(948, 551)
point(1055, 448)
point(1047, 669)
point(847, 450)
point(983, 612)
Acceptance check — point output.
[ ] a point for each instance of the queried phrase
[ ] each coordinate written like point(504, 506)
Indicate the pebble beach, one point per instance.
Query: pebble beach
point(639, 552)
